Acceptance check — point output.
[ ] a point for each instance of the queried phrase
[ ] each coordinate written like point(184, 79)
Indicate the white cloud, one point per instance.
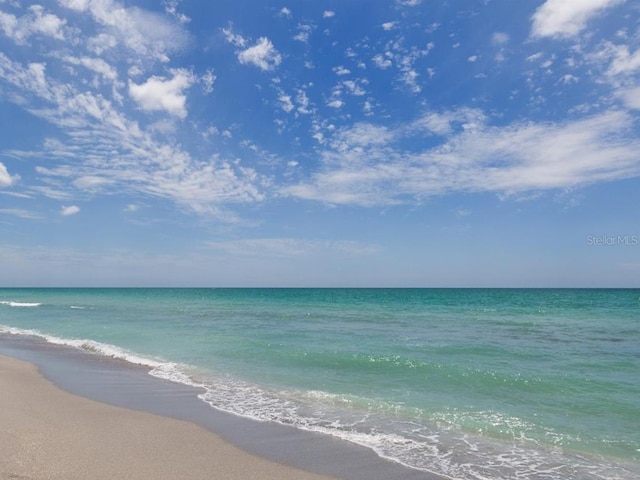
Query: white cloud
point(535, 57)
point(263, 55)
point(304, 104)
point(20, 213)
point(474, 157)
point(234, 38)
point(361, 135)
point(302, 37)
point(101, 43)
point(159, 93)
point(34, 23)
point(97, 65)
point(102, 146)
point(285, 12)
point(328, 14)
point(410, 78)
point(70, 210)
point(6, 180)
point(382, 61)
point(304, 31)
point(631, 97)
point(499, 38)
point(449, 122)
point(566, 18)
point(171, 7)
point(47, 23)
point(406, 60)
point(389, 25)
point(148, 34)
point(91, 182)
point(79, 5)
point(472, 58)
point(285, 103)
point(207, 81)
point(623, 61)
point(340, 70)
point(335, 103)
point(355, 87)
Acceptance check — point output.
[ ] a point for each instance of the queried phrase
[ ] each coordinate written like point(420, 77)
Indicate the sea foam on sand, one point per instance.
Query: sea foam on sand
point(70, 437)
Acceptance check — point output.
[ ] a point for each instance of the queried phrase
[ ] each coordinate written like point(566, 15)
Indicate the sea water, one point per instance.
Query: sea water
point(465, 383)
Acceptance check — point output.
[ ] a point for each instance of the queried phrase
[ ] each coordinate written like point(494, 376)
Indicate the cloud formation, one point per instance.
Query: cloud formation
point(36, 22)
point(160, 93)
point(147, 34)
point(263, 55)
point(123, 68)
point(69, 210)
point(103, 147)
point(565, 19)
point(370, 165)
point(6, 180)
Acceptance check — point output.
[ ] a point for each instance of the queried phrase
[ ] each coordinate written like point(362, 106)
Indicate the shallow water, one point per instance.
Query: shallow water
point(471, 384)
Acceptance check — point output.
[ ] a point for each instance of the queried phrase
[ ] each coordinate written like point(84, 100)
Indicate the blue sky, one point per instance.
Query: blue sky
point(320, 143)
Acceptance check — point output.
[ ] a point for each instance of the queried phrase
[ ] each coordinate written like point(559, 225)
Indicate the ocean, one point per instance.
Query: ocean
point(464, 383)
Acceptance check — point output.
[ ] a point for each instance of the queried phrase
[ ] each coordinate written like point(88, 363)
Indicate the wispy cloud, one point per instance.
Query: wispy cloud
point(20, 213)
point(563, 19)
point(371, 165)
point(631, 97)
point(105, 144)
point(36, 22)
point(148, 34)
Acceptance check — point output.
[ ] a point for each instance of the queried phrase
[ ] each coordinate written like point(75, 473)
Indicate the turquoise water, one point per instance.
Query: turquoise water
point(471, 384)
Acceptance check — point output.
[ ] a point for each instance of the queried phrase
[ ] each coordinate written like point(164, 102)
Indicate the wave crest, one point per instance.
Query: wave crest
point(19, 304)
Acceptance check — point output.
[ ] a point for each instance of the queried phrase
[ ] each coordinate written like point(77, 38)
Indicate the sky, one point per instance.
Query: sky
point(399, 143)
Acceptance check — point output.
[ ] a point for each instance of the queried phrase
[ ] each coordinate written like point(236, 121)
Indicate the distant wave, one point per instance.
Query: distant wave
point(91, 346)
point(166, 370)
point(19, 304)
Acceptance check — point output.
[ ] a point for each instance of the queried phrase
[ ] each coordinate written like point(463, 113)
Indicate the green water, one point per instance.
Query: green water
point(469, 383)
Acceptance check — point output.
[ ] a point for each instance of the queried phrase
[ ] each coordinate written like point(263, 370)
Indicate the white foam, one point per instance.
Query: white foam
point(175, 372)
point(91, 346)
point(19, 304)
point(443, 450)
point(438, 449)
point(166, 370)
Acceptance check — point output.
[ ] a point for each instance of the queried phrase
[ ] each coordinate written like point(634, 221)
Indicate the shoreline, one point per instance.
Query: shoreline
point(70, 437)
point(113, 389)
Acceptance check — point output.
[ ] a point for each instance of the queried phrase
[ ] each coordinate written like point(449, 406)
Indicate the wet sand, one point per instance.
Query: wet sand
point(68, 414)
point(47, 433)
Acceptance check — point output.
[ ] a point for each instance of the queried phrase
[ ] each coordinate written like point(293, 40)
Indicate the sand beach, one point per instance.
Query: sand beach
point(47, 433)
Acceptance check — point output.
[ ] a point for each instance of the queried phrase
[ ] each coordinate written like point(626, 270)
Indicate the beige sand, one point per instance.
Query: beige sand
point(46, 433)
